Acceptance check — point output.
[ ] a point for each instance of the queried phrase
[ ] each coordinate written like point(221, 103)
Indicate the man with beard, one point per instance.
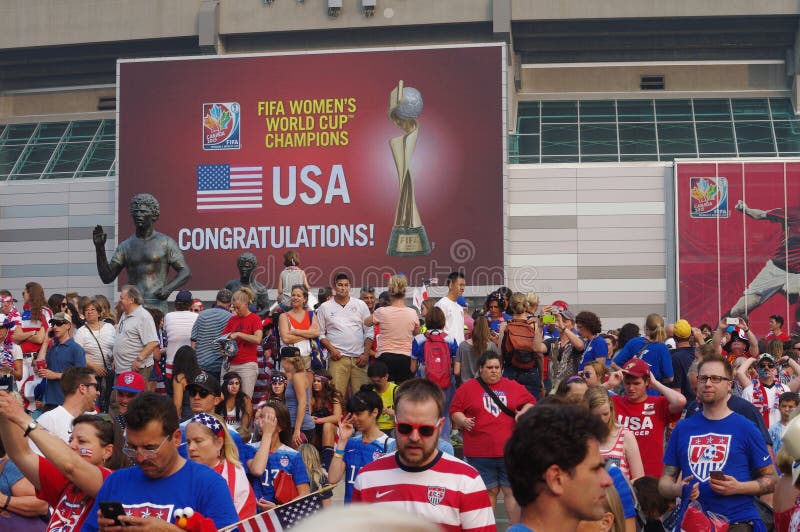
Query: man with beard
point(720, 453)
point(419, 478)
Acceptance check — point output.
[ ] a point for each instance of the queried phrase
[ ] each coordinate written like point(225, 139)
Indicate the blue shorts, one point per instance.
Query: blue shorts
point(492, 471)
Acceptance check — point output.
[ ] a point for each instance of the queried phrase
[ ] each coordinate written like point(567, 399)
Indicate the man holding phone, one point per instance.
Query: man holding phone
point(720, 452)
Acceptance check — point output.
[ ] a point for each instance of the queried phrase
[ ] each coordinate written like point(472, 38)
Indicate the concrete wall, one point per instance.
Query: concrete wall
point(592, 81)
point(592, 235)
point(46, 234)
point(589, 9)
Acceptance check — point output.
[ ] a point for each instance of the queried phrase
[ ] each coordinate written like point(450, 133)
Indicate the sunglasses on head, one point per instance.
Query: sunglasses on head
point(199, 391)
point(426, 431)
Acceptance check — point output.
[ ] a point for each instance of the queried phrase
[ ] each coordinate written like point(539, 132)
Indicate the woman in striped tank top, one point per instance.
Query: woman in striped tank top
point(620, 446)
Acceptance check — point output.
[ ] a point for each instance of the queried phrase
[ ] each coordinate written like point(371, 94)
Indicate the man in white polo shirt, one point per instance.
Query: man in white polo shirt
point(344, 335)
point(136, 335)
point(453, 312)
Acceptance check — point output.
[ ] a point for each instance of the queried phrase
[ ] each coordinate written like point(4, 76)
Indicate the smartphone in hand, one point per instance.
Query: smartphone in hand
point(112, 510)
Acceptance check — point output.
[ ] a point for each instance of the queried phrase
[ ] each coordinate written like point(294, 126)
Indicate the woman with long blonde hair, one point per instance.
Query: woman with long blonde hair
point(620, 446)
point(208, 442)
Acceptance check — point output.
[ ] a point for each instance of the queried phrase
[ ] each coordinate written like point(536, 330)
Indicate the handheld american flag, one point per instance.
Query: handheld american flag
point(222, 187)
point(282, 517)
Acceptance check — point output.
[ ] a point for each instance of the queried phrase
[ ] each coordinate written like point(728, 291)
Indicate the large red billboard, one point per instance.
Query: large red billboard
point(738, 241)
point(364, 161)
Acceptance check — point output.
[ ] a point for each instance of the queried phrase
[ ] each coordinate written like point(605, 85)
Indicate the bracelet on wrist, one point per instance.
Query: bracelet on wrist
point(338, 452)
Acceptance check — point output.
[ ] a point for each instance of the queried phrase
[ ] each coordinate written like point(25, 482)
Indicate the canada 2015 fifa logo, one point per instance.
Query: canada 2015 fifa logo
point(707, 453)
point(221, 129)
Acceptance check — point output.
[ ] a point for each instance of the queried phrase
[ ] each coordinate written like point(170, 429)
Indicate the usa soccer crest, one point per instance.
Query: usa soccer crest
point(147, 510)
point(128, 378)
point(376, 455)
point(221, 126)
point(284, 461)
point(436, 494)
point(707, 453)
point(490, 406)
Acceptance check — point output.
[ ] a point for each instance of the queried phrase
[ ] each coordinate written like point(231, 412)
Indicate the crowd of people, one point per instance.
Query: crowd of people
point(220, 409)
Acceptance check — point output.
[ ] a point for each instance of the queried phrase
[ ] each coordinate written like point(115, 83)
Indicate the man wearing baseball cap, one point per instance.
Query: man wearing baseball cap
point(647, 416)
point(682, 357)
point(765, 390)
point(64, 354)
point(129, 384)
point(205, 393)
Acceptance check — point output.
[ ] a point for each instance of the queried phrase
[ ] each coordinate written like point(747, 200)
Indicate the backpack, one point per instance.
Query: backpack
point(437, 360)
point(517, 345)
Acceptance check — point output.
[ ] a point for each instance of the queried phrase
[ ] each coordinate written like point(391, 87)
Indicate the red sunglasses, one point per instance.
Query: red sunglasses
point(426, 431)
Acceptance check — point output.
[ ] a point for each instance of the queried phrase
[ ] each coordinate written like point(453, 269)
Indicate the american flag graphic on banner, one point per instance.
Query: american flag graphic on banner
point(283, 517)
point(222, 187)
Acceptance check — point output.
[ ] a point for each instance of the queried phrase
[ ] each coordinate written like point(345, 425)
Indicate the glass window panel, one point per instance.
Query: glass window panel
point(635, 110)
point(67, 159)
point(782, 109)
point(83, 130)
point(36, 159)
point(560, 139)
point(19, 133)
point(712, 110)
point(108, 130)
point(715, 137)
point(673, 110)
point(598, 111)
point(676, 137)
point(755, 137)
point(629, 157)
point(788, 136)
point(637, 139)
point(99, 160)
point(599, 139)
point(51, 132)
point(8, 158)
point(529, 108)
point(528, 144)
point(598, 158)
point(750, 109)
point(560, 112)
point(560, 159)
point(528, 124)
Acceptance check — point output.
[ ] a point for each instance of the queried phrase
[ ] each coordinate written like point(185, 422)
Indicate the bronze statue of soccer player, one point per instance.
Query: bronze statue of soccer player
point(147, 255)
point(247, 263)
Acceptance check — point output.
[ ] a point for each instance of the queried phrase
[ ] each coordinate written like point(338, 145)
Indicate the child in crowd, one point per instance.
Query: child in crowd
point(787, 403)
point(378, 373)
point(653, 505)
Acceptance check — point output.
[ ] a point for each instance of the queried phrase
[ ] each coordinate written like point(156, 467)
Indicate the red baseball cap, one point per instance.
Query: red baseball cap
point(130, 381)
point(636, 367)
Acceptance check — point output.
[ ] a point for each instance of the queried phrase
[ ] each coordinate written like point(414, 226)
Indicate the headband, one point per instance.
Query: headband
point(211, 422)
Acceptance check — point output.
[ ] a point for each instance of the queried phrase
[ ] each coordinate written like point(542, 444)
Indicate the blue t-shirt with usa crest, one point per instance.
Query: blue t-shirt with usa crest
point(357, 454)
point(283, 459)
point(732, 445)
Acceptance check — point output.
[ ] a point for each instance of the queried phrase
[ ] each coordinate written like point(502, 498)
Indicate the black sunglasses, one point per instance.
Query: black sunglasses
point(57, 323)
point(426, 431)
point(766, 366)
point(201, 392)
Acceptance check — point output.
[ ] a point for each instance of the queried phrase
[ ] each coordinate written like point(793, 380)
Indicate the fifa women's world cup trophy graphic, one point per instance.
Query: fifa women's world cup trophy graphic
point(408, 234)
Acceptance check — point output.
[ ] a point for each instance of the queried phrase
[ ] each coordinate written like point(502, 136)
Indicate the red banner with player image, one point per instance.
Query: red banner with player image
point(366, 162)
point(738, 241)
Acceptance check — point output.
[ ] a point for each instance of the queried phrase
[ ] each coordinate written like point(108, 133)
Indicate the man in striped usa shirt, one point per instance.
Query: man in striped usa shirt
point(419, 478)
